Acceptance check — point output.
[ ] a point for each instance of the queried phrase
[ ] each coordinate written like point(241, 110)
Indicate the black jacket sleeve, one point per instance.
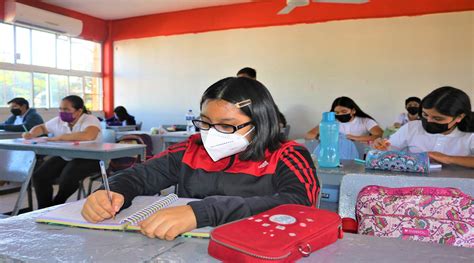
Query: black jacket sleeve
point(295, 182)
point(148, 178)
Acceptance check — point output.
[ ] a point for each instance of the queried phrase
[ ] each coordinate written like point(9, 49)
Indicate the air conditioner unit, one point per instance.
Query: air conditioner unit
point(18, 13)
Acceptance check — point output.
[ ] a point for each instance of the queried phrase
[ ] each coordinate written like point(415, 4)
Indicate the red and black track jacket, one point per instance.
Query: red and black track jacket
point(230, 189)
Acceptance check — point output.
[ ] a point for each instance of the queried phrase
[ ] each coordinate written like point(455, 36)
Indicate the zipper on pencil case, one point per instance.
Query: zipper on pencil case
point(273, 258)
point(249, 253)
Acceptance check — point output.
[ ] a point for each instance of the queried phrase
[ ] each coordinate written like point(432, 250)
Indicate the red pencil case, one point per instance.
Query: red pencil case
point(282, 234)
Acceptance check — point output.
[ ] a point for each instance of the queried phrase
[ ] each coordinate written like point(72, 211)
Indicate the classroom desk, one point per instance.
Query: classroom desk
point(21, 239)
point(160, 141)
point(123, 128)
point(93, 151)
point(9, 135)
point(333, 176)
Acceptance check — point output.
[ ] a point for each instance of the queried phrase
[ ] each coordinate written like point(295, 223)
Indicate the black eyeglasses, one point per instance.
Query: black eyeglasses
point(224, 128)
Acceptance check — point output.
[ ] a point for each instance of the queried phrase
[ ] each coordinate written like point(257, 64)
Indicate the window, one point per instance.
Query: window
point(40, 90)
point(7, 46)
point(85, 55)
point(23, 54)
point(44, 46)
point(58, 89)
point(63, 50)
point(14, 84)
point(43, 67)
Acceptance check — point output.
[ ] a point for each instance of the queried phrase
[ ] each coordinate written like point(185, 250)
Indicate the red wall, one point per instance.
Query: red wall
point(264, 13)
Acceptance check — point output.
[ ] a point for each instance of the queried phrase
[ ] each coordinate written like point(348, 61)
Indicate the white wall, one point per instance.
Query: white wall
point(377, 62)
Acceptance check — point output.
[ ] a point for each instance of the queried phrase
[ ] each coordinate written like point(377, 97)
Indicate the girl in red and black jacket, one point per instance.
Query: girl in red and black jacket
point(239, 165)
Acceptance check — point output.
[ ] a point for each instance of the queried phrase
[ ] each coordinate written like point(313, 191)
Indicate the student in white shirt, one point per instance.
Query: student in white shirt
point(353, 122)
point(412, 105)
point(74, 123)
point(445, 131)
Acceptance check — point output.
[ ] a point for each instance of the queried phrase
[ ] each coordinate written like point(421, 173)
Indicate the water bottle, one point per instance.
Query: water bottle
point(329, 136)
point(189, 122)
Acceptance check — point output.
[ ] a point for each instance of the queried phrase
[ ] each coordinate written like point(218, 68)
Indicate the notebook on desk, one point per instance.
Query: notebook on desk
point(127, 220)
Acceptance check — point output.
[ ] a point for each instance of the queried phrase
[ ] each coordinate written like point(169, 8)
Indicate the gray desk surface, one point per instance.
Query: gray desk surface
point(333, 176)
point(179, 134)
point(94, 151)
point(9, 135)
point(21, 239)
point(122, 128)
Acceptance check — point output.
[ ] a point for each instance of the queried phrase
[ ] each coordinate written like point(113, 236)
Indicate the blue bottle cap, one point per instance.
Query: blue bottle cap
point(329, 116)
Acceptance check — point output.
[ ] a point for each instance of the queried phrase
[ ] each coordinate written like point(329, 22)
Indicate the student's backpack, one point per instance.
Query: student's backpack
point(126, 162)
point(431, 214)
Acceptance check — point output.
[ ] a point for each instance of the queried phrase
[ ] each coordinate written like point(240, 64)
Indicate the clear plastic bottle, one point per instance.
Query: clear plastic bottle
point(329, 141)
point(189, 122)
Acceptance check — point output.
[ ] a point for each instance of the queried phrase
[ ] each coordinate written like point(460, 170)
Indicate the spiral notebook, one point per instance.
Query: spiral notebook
point(128, 219)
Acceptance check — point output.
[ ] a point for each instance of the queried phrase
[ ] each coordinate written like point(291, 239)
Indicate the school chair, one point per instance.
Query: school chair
point(139, 126)
point(17, 166)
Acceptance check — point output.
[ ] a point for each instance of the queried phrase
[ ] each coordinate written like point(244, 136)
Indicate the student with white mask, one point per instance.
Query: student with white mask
point(239, 165)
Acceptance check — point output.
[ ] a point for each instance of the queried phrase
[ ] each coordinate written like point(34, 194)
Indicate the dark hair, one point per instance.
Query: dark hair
point(415, 99)
point(262, 111)
point(77, 103)
point(451, 102)
point(249, 72)
point(20, 102)
point(121, 112)
point(349, 103)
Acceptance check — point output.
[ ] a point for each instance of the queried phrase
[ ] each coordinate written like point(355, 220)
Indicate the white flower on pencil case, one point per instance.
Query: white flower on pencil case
point(439, 215)
point(398, 161)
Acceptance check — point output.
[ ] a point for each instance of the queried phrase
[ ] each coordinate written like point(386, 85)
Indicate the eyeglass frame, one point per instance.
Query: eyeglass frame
point(235, 128)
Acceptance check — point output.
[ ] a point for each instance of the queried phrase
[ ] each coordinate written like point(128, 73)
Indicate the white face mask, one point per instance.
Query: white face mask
point(220, 145)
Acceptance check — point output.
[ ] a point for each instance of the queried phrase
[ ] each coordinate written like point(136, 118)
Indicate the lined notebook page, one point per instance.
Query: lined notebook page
point(70, 213)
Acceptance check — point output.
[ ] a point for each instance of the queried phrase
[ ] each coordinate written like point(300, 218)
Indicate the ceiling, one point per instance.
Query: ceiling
point(118, 9)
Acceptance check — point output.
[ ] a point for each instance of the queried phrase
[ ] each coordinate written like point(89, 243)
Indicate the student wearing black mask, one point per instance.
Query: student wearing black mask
point(446, 129)
point(354, 123)
point(23, 117)
point(121, 118)
point(412, 105)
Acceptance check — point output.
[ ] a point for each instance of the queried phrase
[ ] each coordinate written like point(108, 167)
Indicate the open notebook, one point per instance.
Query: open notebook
point(142, 207)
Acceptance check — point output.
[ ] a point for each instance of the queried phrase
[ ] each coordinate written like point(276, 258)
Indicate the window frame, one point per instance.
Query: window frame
point(32, 69)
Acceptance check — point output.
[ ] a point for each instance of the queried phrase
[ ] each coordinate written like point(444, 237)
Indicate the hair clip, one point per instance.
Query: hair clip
point(243, 103)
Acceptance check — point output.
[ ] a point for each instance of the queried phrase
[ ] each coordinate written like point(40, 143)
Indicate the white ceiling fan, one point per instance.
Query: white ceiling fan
point(292, 4)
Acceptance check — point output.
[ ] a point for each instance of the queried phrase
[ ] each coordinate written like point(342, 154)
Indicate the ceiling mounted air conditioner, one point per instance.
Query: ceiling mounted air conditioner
point(18, 13)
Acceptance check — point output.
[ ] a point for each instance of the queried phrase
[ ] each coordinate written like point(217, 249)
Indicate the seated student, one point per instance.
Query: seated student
point(446, 129)
point(121, 118)
point(239, 165)
point(252, 74)
point(74, 123)
point(354, 123)
point(412, 105)
point(23, 117)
